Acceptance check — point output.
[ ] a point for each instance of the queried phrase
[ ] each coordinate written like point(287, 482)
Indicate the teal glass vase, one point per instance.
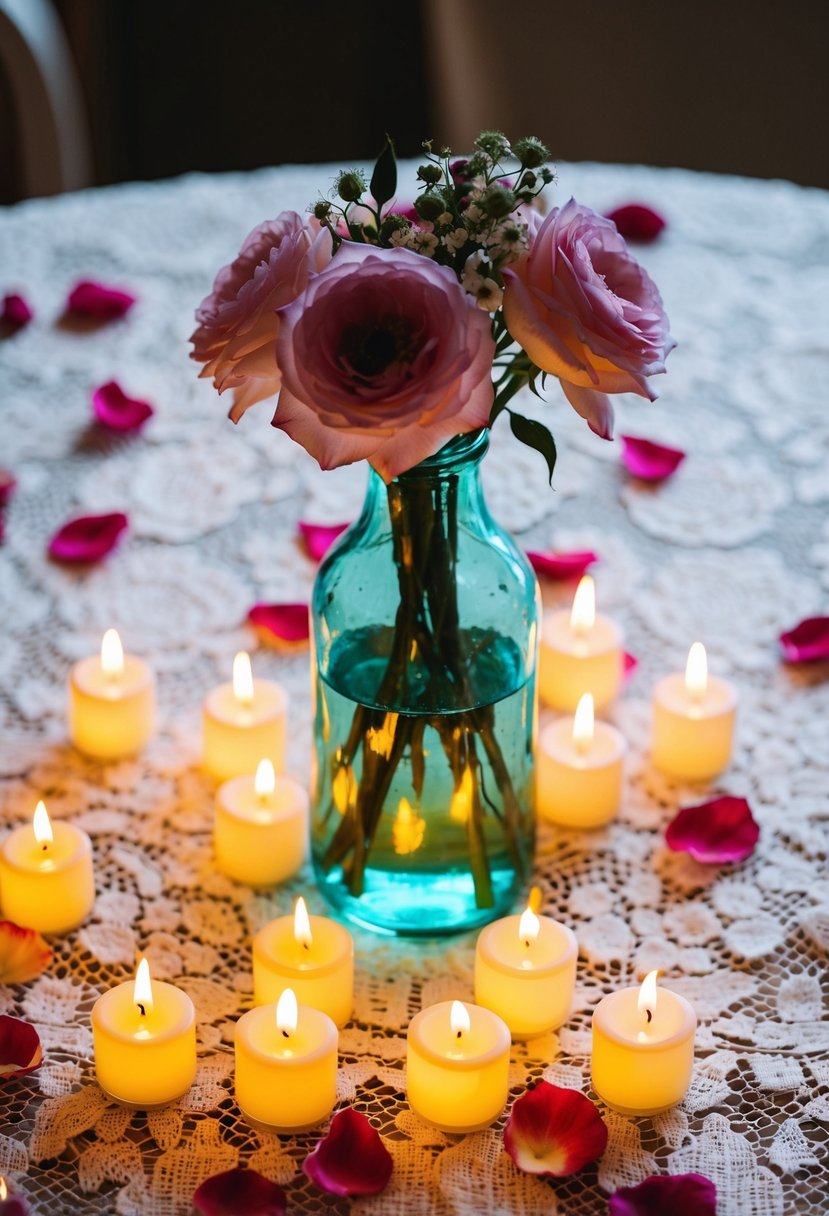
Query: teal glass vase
point(425, 640)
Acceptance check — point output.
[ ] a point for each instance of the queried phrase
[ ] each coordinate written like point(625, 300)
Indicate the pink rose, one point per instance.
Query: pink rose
point(585, 310)
point(238, 324)
point(384, 357)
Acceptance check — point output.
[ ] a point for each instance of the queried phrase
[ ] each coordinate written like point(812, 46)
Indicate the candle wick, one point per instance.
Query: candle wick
point(458, 1035)
point(285, 1034)
point(141, 1007)
point(649, 1012)
point(305, 946)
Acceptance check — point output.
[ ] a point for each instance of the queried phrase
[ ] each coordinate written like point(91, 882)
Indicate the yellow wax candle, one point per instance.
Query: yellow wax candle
point(693, 721)
point(525, 971)
point(46, 878)
point(111, 702)
point(457, 1066)
point(144, 1035)
point(579, 770)
point(581, 651)
point(286, 1065)
point(260, 832)
point(312, 955)
point(643, 1048)
point(243, 722)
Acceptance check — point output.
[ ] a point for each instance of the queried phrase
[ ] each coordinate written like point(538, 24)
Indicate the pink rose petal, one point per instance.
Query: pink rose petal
point(20, 1049)
point(554, 1131)
point(114, 409)
point(351, 1159)
point(807, 641)
point(91, 299)
point(15, 1205)
point(23, 953)
point(648, 460)
point(629, 665)
point(561, 565)
point(636, 222)
point(284, 622)
point(682, 1195)
point(15, 312)
point(8, 485)
point(87, 538)
point(722, 830)
point(239, 1192)
point(318, 538)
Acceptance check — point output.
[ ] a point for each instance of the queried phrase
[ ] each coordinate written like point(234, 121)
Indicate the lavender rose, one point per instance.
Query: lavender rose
point(384, 357)
point(585, 310)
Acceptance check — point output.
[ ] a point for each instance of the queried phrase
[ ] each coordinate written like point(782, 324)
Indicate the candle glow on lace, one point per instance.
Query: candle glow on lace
point(459, 1019)
point(583, 613)
point(287, 1013)
point(696, 672)
point(583, 724)
point(646, 1001)
point(302, 926)
point(243, 679)
point(264, 783)
point(142, 993)
point(112, 654)
point(4, 1190)
point(42, 826)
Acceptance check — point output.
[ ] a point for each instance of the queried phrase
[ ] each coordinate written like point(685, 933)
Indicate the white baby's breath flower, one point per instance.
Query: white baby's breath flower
point(400, 237)
point(473, 214)
point(424, 242)
point(445, 217)
point(471, 277)
point(455, 240)
point(490, 296)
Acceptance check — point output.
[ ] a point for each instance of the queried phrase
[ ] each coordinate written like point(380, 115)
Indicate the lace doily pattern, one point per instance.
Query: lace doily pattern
point(731, 550)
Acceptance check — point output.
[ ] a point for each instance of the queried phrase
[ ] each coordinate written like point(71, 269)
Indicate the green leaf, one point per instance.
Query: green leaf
point(535, 435)
point(384, 178)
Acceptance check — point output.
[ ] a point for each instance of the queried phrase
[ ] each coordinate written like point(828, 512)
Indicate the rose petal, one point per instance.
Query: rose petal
point(682, 1195)
point(15, 1205)
point(8, 485)
point(284, 622)
point(87, 538)
point(239, 1192)
point(555, 1131)
point(648, 460)
point(636, 222)
point(629, 665)
point(318, 538)
point(115, 409)
point(721, 830)
point(351, 1159)
point(20, 1049)
point(15, 312)
point(561, 565)
point(91, 299)
point(23, 953)
point(807, 641)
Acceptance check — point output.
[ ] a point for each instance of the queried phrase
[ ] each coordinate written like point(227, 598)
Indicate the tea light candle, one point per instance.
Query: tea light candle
point(581, 651)
point(643, 1048)
point(144, 1035)
point(457, 1066)
point(286, 1065)
point(111, 702)
point(260, 832)
point(579, 769)
point(525, 971)
point(693, 721)
point(312, 955)
point(243, 722)
point(46, 878)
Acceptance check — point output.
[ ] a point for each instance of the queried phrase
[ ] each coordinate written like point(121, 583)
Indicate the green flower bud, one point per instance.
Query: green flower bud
point(477, 166)
point(547, 176)
point(430, 174)
point(493, 143)
point(350, 186)
point(429, 206)
point(531, 152)
point(497, 202)
point(321, 209)
point(529, 181)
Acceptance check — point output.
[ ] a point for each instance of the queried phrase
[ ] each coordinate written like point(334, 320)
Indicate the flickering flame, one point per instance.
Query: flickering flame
point(287, 1012)
point(646, 1001)
point(461, 803)
point(583, 724)
point(264, 783)
point(243, 679)
point(528, 926)
point(142, 993)
point(112, 654)
point(583, 615)
point(407, 830)
point(696, 672)
point(42, 826)
point(4, 1190)
point(302, 925)
point(459, 1019)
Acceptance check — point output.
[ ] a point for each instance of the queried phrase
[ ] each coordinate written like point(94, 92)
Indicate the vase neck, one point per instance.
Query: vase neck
point(464, 452)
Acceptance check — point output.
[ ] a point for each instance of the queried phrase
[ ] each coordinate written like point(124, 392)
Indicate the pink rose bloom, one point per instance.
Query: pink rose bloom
point(238, 324)
point(584, 310)
point(384, 358)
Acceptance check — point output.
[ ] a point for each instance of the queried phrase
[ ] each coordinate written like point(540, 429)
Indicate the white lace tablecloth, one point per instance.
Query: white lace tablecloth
point(731, 550)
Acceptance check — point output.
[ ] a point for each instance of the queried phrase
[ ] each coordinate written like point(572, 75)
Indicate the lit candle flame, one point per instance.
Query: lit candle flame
point(4, 1190)
point(528, 926)
point(696, 672)
point(243, 679)
point(302, 924)
point(646, 1001)
point(42, 826)
point(112, 654)
point(583, 615)
point(264, 783)
point(287, 1012)
point(142, 993)
point(583, 724)
point(459, 1019)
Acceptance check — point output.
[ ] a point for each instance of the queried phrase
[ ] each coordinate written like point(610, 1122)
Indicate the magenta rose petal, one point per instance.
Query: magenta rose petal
point(637, 222)
point(318, 538)
point(114, 409)
point(23, 953)
point(807, 642)
point(20, 1047)
point(629, 665)
point(554, 1131)
point(351, 1159)
point(16, 311)
point(8, 485)
point(91, 299)
point(15, 1205)
point(87, 538)
point(720, 831)
point(682, 1195)
point(648, 460)
point(561, 566)
point(239, 1192)
point(282, 622)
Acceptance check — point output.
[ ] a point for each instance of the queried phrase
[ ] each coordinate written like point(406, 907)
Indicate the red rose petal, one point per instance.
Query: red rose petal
point(87, 538)
point(319, 538)
point(351, 1159)
point(20, 1049)
point(714, 832)
point(636, 222)
point(284, 622)
point(15, 312)
point(682, 1195)
point(15, 1205)
point(239, 1192)
point(23, 953)
point(629, 665)
point(8, 485)
point(648, 460)
point(554, 1131)
point(91, 299)
point(116, 410)
point(561, 565)
point(807, 641)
